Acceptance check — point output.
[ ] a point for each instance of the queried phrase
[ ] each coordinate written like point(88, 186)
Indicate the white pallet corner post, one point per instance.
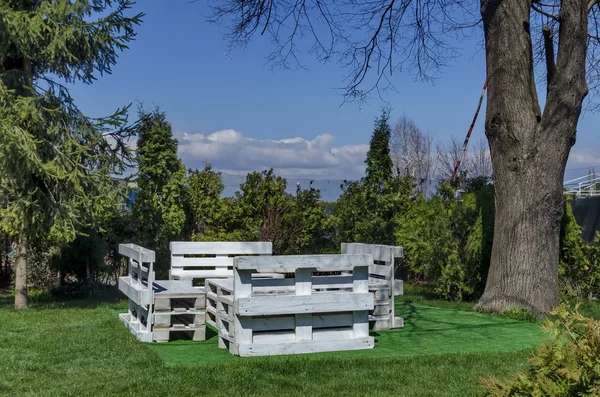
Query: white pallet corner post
point(360, 285)
point(137, 291)
point(242, 327)
point(382, 282)
point(303, 320)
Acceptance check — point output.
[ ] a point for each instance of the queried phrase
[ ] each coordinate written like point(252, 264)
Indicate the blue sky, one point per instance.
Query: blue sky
point(181, 62)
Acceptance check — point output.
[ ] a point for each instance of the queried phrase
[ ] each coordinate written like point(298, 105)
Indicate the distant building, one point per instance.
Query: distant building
point(131, 188)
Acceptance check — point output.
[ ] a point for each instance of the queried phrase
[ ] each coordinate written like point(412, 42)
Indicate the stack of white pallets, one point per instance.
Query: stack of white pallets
point(304, 314)
point(158, 309)
point(179, 308)
point(382, 282)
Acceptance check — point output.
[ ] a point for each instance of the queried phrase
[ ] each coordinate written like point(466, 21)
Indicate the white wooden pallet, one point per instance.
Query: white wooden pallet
point(178, 308)
point(382, 282)
point(135, 290)
point(135, 327)
point(201, 260)
point(303, 314)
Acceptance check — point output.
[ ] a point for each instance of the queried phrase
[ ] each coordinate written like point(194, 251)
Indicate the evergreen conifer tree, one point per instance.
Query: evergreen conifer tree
point(367, 209)
point(55, 162)
point(159, 205)
point(379, 160)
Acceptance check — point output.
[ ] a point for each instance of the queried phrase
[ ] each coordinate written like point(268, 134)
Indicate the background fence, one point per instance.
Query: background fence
point(330, 188)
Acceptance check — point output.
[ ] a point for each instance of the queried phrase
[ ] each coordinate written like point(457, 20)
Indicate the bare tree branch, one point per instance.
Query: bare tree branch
point(375, 39)
point(547, 14)
point(372, 39)
point(448, 154)
point(411, 153)
point(549, 47)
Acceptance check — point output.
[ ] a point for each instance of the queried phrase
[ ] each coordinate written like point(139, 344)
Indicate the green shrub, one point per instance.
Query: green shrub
point(260, 211)
point(566, 365)
point(206, 212)
point(520, 314)
point(445, 242)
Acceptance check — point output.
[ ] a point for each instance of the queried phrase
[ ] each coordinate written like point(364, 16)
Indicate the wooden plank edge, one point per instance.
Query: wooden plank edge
point(304, 347)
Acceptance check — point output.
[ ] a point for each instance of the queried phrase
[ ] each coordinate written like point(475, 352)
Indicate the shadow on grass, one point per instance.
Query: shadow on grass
point(424, 295)
point(187, 336)
point(418, 322)
point(103, 296)
point(6, 301)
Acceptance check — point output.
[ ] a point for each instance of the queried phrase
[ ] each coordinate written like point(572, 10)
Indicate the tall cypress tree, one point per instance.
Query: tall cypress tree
point(379, 160)
point(56, 163)
point(367, 209)
point(159, 205)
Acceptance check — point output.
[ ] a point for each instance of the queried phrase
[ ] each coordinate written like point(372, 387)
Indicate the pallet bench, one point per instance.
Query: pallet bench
point(159, 309)
point(201, 260)
point(302, 314)
point(382, 282)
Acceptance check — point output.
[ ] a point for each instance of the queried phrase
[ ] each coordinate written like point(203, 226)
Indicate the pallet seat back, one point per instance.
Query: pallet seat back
point(202, 260)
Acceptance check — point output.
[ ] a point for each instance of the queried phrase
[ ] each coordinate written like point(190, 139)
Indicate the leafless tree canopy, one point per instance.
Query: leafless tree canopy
point(448, 154)
point(481, 162)
point(411, 152)
point(476, 161)
point(372, 39)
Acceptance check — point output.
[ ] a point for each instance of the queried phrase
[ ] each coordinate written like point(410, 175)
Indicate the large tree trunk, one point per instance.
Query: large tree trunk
point(21, 301)
point(524, 264)
point(529, 151)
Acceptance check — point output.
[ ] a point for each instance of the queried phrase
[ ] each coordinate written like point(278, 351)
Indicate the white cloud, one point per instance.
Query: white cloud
point(581, 159)
point(232, 152)
point(584, 157)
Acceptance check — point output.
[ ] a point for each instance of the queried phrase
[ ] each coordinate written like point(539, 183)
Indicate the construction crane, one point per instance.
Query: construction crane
point(466, 142)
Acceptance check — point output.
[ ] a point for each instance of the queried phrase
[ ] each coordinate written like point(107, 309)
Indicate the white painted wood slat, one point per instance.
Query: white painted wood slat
point(220, 248)
point(269, 349)
point(289, 263)
point(136, 252)
point(218, 261)
point(289, 304)
point(381, 253)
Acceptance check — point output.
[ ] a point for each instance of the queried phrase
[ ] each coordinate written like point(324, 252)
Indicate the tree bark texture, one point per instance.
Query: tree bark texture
point(529, 150)
point(21, 300)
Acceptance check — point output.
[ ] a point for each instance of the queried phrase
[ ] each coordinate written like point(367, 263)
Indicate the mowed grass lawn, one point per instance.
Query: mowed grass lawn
point(64, 350)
